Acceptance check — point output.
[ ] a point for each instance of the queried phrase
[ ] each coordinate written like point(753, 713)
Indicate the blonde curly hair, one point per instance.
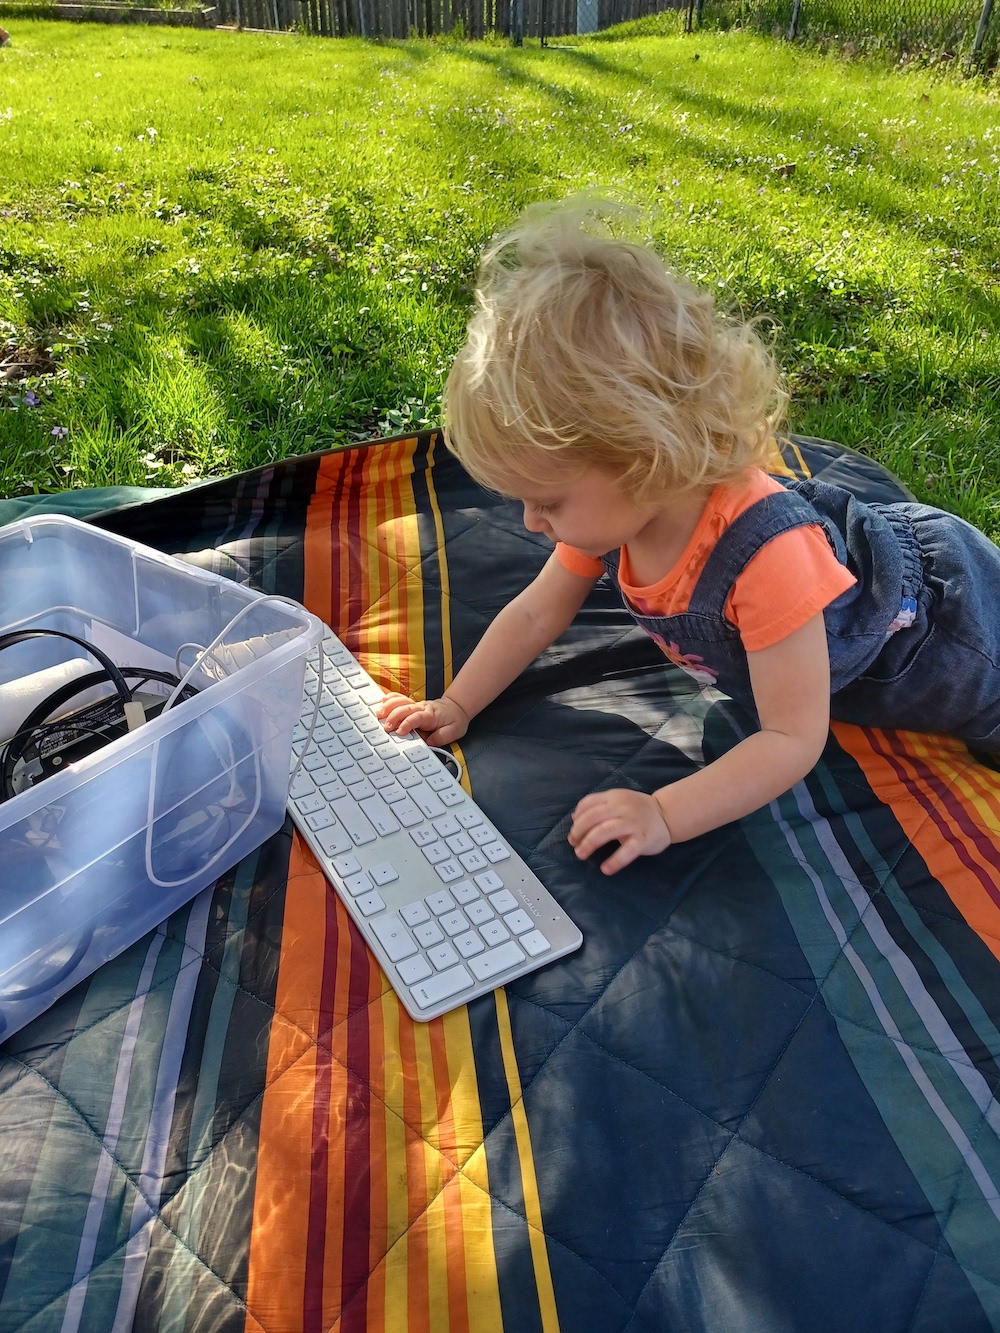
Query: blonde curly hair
point(586, 350)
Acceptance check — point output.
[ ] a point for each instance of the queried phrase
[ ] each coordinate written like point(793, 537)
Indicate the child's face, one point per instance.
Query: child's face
point(590, 511)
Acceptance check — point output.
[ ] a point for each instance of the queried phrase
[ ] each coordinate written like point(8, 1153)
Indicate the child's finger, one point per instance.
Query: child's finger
point(608, 830)
point(444, 735)
point(391, 700)
point(397, 719)
point(626, 853)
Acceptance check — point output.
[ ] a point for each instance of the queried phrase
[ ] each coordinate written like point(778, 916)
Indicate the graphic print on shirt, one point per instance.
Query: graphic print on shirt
point(694, 665)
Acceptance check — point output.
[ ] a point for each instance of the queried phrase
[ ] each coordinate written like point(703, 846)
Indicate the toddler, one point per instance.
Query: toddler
point(635, 424)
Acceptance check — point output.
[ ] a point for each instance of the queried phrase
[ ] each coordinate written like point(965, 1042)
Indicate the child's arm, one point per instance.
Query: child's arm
point(791, 686)
point(526, 626)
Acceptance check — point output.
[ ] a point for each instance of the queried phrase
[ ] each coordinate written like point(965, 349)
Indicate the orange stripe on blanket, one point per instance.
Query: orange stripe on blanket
point(949, 807)
point(363, 1220)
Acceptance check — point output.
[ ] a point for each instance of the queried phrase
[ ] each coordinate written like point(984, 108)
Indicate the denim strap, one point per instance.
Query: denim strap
point(758, 524)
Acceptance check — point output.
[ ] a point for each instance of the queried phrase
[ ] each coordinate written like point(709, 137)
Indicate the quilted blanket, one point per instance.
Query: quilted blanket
point(761, 1097)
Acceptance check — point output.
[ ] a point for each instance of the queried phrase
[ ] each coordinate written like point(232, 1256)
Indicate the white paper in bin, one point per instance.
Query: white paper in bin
point(94, 857)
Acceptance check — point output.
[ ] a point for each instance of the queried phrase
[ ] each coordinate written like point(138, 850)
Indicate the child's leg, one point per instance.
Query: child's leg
point(942, 673)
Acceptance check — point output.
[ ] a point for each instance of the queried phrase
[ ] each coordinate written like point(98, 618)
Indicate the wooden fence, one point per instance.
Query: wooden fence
point(422, 18)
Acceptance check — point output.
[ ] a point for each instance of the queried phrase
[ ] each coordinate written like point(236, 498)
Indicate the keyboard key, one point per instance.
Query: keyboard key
point(330, 785)
point(447, 826)
point(460, 842)
point(440, 902)
point(361, 790)
point(436, 852)
point(449, 870)
point(394, 793)
point(340, 762)
point(334, 840)
point(355, 884)
point(351, 774)
point(438, 781)
point(453, 796)
point(442, 956)
point(504, 901)
point(355, 822)
point(371, 694)
point(428, 934)
point(302, 786)
point(489, 881)
point(321, 819)
point(470, 819)
point(313, 760)
point(356, 711)
point(534, 944)
point(368, 724)
point(473, 860)
point(495, 961)
point(322, 775)
point(346, 865)
point(495, 851)
point(384, 873)
point(414, 969)
point(370, 903)
point(414, 913)
point(453, 923)
point(407, 814)
point(518, 922)
point(494, 932)
point(440, 988)
point(394, 938)
point(482, 834)
point(423, 836)
point(372, 765)
point(468, 944)
point(424, 799)
point(382, 818)
point(381, 779)
point(466, 892)
point(478, 912)
point(398, 764)
point(425, 767)
point(331, 748)
point(409, 780)
point(307, 804)
point(360, 750)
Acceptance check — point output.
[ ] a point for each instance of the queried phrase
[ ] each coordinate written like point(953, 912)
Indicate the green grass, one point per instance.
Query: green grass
point(240, 247)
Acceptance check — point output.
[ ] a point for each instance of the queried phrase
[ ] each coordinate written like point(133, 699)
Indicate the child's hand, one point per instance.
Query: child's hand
point(441, 719)
point(631, 818)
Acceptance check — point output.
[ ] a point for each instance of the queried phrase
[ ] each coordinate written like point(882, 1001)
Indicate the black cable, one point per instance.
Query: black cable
point(35, 729)
point(114, 674)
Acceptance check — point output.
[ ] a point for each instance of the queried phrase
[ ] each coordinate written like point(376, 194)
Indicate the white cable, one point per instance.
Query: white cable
point(447, 758)
point(315, 717)
point(172, 699)
point(205, 652)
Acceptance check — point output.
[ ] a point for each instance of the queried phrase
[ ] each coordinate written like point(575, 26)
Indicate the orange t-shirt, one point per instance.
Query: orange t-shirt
point(790, 579)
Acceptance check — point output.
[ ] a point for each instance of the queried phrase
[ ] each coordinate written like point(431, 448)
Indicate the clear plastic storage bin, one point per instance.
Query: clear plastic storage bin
point(94, 856)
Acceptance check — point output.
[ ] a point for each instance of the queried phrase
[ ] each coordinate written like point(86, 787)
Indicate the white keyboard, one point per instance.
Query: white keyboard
point(447, 907)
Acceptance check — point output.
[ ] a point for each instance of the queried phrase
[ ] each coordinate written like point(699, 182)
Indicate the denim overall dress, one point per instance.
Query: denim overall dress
point(914, 644)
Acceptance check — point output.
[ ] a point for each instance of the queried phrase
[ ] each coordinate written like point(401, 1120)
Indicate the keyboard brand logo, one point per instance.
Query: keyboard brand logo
point(526, 902)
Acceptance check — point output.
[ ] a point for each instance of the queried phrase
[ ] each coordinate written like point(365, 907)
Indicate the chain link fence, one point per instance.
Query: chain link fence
point(957, 27)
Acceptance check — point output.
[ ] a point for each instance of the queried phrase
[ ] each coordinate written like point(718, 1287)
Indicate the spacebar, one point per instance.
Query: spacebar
point(438, 988)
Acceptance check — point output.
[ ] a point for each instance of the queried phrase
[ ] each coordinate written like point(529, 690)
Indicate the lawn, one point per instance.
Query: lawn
point(221, 249)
